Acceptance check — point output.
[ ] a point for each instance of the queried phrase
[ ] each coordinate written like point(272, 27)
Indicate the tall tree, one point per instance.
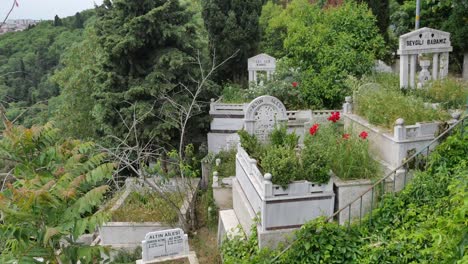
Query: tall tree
point(381, 10)
point(57, 21)
point(233, 25)
point(147, 54)
point(79, 22)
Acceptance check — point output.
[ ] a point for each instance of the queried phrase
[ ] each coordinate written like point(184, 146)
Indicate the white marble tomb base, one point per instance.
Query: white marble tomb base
point(191, 256)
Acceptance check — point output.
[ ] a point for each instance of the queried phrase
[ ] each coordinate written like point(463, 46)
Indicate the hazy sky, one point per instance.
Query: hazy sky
point(44, 9)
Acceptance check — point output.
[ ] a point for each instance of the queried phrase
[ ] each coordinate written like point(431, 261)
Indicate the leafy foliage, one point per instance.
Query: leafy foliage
point(314, 38)
point(233, 25)
point(148, 50)
point(424, 223)
point(58, 187)
point(27, 61)
point(227, 167)
point(282, 163)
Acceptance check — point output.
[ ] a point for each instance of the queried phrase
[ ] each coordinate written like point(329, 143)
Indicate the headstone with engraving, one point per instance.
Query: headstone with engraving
point(261, 63)
point(423, 41)
point(171, 242)
point(263, 114)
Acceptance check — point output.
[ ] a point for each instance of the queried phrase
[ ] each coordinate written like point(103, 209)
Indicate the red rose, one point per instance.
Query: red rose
point(294, 84)
point(346, 136)
point(313, 129)
point(363, 135)
point(335, 116)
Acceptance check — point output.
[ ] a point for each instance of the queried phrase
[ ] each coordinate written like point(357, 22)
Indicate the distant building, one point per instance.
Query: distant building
point(15, 25)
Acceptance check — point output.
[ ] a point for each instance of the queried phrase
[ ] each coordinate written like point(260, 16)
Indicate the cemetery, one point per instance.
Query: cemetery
point(314, 133)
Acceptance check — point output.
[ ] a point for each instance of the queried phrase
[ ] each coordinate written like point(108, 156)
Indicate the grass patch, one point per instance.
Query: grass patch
point(148, 207)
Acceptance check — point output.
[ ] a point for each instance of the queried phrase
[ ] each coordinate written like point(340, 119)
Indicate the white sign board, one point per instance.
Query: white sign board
point(262, 62)
point(171, 242)
point(262, 115)
point(424, 40)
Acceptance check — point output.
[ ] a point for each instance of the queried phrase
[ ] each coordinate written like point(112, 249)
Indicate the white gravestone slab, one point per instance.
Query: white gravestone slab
point(262, 115)
point(423, 41)
point(261, 63)
point(171, 242)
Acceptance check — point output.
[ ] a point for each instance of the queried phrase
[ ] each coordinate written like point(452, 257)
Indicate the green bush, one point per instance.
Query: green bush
point(424, 223)
point(283, 164)
point(346, 154)
point(251, 144)
point(227, 167)
point(280, 137)
point(327, 45)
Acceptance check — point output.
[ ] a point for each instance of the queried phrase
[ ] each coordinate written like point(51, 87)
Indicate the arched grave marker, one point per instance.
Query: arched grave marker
point(262, 114)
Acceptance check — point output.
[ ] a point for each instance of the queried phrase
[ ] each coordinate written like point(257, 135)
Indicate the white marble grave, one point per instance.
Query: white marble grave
point(261, 63)
point(159, 244)
point(426, 41)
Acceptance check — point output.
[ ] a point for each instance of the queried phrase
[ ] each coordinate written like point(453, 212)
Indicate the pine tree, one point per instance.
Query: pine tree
point(78, 23)
point(381, 10)
point(148, 48)
point(57, 21)
point(233, 25)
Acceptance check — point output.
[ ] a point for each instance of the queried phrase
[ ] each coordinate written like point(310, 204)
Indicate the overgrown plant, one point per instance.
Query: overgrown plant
point(424, 223)
point(59, 184)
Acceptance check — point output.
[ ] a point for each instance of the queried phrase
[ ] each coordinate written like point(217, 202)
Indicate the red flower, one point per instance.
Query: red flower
point(346, 136)
point(335, 116)
point(363, 135)
point(313, 129)
point(294, 84)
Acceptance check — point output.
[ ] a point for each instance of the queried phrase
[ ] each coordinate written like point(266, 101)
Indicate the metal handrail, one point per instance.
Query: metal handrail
point(382, 180)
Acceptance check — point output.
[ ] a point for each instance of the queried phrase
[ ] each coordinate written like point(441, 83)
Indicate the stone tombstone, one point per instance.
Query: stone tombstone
point(423, 41)
point(261, 63)
point(262, 115)
point(169, 242)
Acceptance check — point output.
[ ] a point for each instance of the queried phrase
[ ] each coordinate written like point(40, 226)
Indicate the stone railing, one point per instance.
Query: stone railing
point(280, 208)
point(219, 108)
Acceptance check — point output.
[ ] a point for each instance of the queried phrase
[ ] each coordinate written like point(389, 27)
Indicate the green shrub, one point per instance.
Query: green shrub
point(280, 137)
point(227, 167)
point(282, 163)
point(424, 223)
point(251, 144)
point(234, 94)
point(346, 154)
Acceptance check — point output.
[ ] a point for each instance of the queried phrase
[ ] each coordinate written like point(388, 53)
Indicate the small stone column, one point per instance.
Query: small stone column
point(412, 71)
point(215, 179)
point(404, 71)
point(424, 75)
point(348, 106)
point(435, 66)
point(399, 130)
point(455, 117)
point(268, 185)
point(444, 63)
